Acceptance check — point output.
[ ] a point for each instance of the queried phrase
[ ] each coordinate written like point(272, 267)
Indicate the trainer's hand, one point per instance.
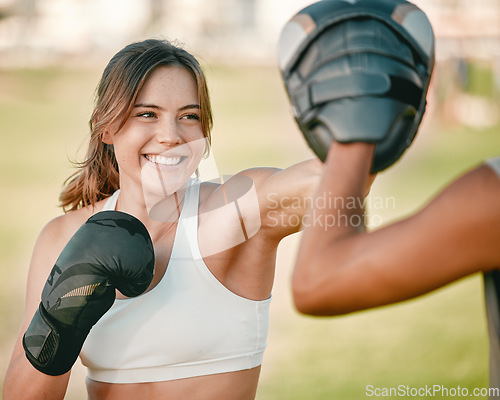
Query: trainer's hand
point(112, 250)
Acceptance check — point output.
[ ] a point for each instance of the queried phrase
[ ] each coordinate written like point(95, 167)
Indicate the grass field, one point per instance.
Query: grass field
point(439, 339)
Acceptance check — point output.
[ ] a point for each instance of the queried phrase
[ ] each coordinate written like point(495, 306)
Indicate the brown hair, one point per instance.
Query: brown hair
point(97, 176)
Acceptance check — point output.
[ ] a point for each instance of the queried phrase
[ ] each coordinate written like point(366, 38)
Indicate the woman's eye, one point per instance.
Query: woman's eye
point(192, 116)
point(147, 114)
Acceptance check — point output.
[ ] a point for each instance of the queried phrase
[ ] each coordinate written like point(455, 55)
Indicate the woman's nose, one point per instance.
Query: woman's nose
point(168, 133)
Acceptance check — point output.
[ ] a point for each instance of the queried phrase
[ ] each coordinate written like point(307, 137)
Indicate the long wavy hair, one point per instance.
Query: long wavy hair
point(97, 177)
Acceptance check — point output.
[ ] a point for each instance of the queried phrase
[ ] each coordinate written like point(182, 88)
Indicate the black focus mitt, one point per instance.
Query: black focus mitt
point(358, 71)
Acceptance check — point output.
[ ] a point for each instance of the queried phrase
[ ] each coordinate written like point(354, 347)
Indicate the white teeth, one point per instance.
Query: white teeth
point(164, 160)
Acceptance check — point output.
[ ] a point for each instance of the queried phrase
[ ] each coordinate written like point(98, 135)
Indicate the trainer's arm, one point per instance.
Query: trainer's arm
point(344, 269)
point(22, 380)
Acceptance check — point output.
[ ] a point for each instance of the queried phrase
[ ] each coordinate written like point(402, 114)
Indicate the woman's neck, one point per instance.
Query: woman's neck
point(155, 211)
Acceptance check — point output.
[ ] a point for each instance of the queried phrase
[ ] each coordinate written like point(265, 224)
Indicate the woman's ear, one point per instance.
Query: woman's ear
point(107, 137)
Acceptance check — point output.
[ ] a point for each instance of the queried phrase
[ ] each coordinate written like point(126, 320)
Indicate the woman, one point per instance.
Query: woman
point(199, 331)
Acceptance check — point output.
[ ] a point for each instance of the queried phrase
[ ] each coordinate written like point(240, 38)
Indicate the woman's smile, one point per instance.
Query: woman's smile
point(169, 161)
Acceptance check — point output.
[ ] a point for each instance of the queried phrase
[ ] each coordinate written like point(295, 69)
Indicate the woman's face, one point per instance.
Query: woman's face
point(162, 142)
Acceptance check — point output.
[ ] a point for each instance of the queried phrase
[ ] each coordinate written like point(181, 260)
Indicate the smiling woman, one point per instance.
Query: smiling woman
point(117, 98)
point(198, 327)
point(163, 136)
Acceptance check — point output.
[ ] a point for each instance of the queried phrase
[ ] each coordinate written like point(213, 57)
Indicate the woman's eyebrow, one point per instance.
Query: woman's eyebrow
point(197, 106)
point(146, 105)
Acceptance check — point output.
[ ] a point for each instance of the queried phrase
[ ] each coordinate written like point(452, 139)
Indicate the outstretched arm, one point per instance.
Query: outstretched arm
point(286, 195)
point(280, 196)
point(344, 269)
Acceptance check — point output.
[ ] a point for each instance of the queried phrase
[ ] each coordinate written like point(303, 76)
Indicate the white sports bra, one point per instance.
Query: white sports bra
point(188, 325)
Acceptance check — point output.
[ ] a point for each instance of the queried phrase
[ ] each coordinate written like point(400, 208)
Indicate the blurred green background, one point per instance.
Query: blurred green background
point(439, 339)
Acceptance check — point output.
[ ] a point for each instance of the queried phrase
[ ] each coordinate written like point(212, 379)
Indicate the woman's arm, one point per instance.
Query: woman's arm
point(285, 195)
point(344, 269)
point(269, 202)
point(22, 380)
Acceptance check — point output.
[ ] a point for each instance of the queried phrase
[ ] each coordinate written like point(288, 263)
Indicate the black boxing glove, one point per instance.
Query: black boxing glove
point(358, 72)
point(112, 250)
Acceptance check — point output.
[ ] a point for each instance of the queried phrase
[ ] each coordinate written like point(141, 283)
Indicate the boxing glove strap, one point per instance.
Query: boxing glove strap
point(50, 348)
point(41, 339)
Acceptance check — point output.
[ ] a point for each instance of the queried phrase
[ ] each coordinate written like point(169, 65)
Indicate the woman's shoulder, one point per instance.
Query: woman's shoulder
point(237, 184)
point(235, 189)
point(60, 229)
point(51, 241)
